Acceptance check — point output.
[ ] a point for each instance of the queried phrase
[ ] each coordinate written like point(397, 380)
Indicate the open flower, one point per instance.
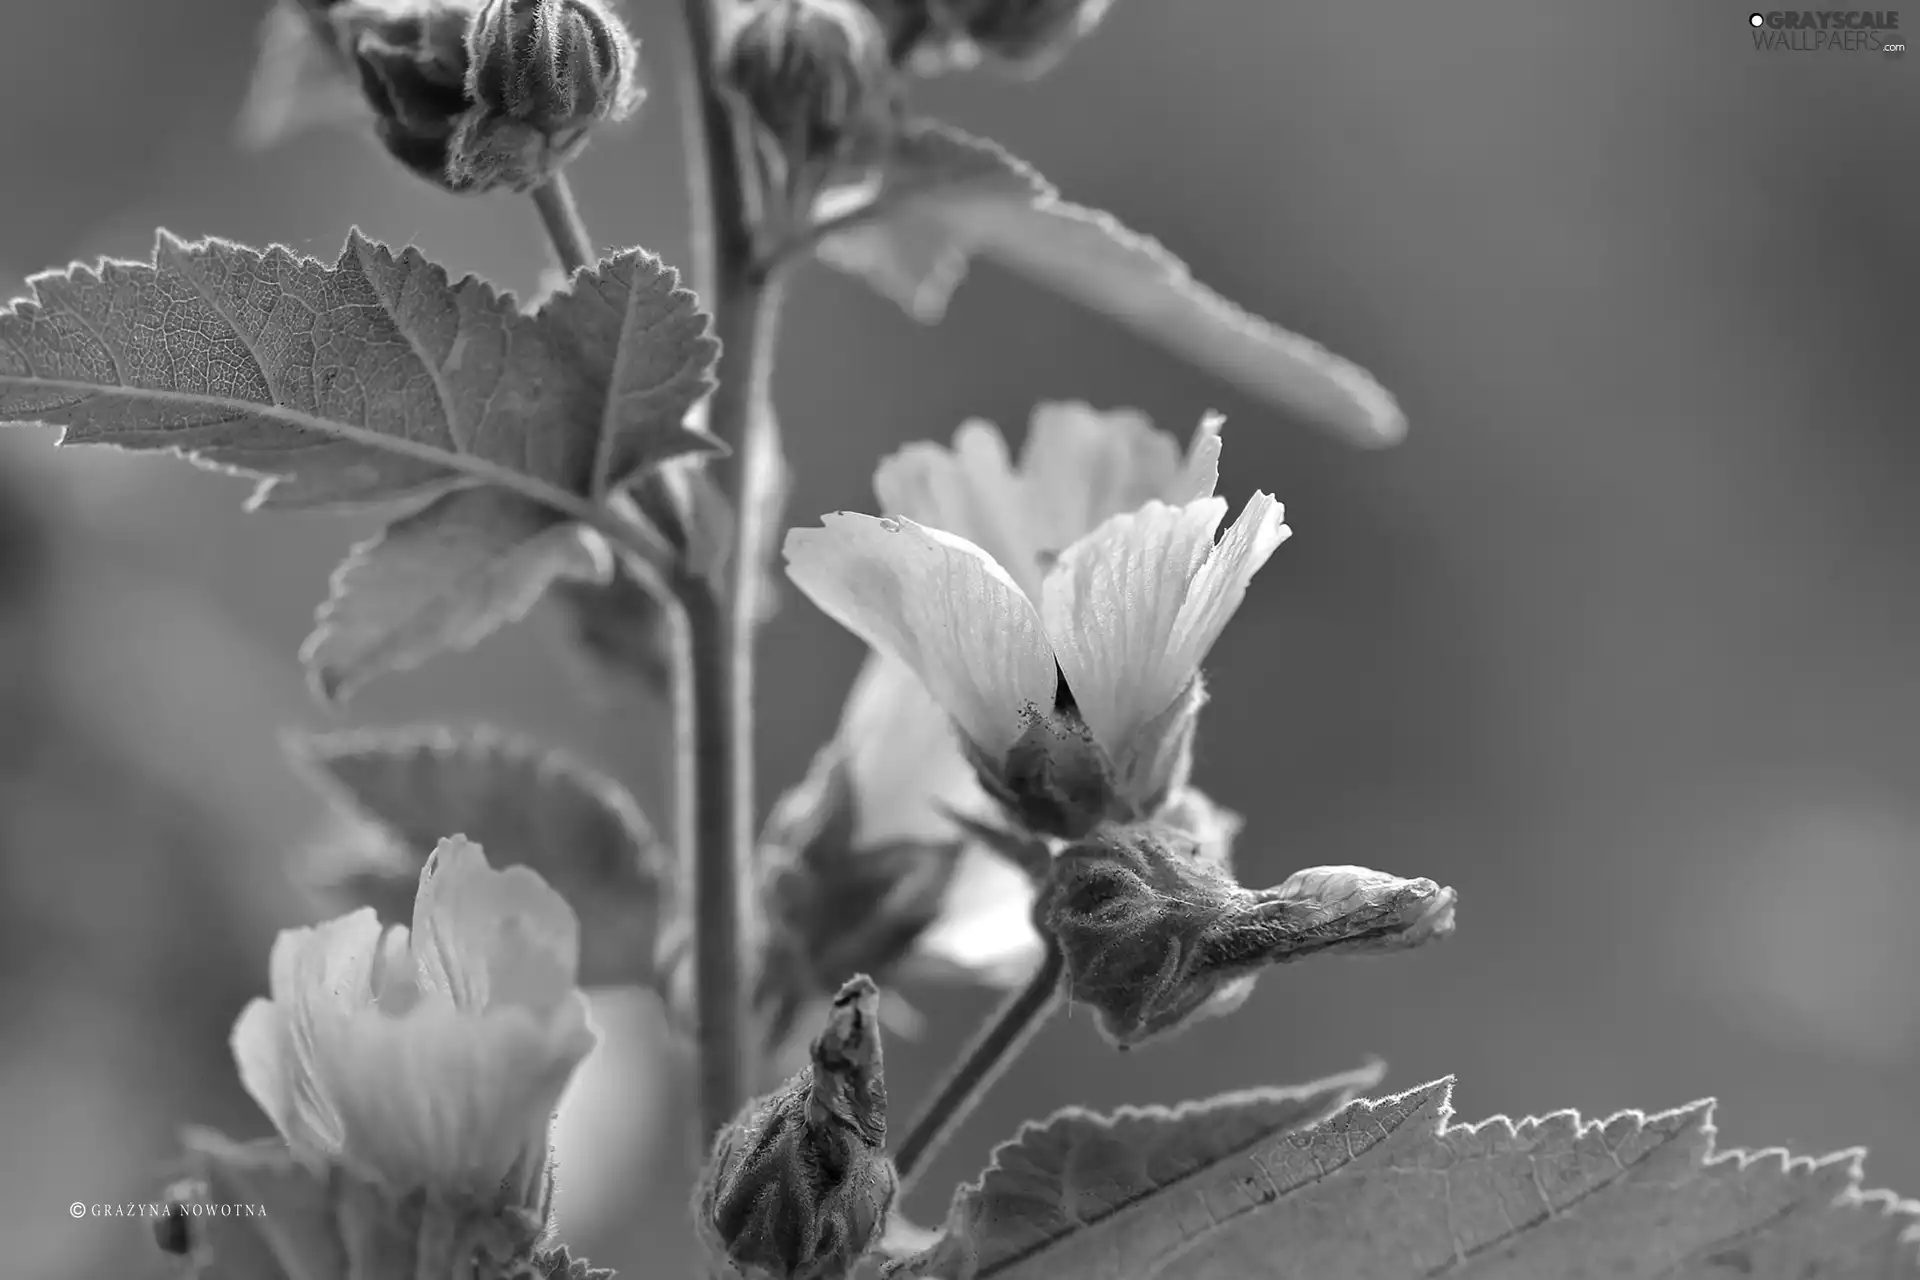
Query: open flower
point(1058, 611)
point(426, 1058)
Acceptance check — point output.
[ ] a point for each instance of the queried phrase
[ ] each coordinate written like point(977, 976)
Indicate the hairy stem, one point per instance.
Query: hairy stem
point(998, 1043)
point(721, 620)
point(560, 215)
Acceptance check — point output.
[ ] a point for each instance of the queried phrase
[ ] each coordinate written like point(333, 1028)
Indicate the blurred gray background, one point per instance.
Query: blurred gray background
point(1621, 643)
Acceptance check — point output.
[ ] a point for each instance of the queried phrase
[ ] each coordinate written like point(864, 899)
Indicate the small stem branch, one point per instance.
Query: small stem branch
point(992, 1050)
point(560, 215)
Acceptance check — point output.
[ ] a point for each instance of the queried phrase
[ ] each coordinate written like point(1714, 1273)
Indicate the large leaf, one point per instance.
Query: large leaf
point(520, 801)
point(946, 195)
point(443, 578)
point(1388, 1189)
point(378, 379)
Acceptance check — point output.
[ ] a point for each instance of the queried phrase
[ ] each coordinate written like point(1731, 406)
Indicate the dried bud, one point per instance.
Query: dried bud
point(797, 1187)
point(1156, 933)
point(816, 76)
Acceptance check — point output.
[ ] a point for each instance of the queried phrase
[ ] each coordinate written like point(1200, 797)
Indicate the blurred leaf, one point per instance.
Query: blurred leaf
point(297, 82)
point(946, 196)
point(1388, 1189)
point(524, 803)
point(377, 379)
point(443, 578)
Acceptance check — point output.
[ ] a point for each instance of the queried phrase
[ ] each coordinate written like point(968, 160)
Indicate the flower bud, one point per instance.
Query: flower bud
point(540, 74)
point(412, 67)
point(498, 97)
point(1156, 933)
point(552, 64)
point(814, 74)
point(797, 1187)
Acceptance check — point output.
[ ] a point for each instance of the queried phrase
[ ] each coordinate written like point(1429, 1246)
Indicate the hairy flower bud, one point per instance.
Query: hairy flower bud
point(797, 1187)
point(816, 76)
point(554, 64)
point(487, 98)
point(540, 74)
point(1156, 933)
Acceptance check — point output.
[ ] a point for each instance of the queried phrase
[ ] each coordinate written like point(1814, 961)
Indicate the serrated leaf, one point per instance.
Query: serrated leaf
point(520, 801)
point(443, 578)
point(373, 379)
point(948, 195)
point(1388, 1189)
point(379, 380)
point(632, 329)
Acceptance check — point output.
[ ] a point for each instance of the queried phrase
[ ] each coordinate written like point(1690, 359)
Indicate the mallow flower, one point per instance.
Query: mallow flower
point(432, 1057)
point(1058, 610)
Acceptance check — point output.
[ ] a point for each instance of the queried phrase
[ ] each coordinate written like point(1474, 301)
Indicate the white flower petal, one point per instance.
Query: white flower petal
point(312, 973)
point(279, 1081)
point(445, 1098)
point(1080, 466)
point(1112, 607)
point(969, 490)
point(903, 758)
point(986, 920)
point(1221, 584)
point(487, 938)
point(939, 604)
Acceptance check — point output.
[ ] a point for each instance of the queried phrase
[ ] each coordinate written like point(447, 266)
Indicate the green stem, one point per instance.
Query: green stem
point(998, 1043)
point(560, 215)
point(721, 620)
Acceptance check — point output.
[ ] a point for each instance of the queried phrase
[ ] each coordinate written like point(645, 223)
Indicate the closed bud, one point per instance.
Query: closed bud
point(487, 98)
point(1157, 934)
point(412, 66)
point(552, 64)
point(540, 74)
point(816, 76)
point(798, 1187)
